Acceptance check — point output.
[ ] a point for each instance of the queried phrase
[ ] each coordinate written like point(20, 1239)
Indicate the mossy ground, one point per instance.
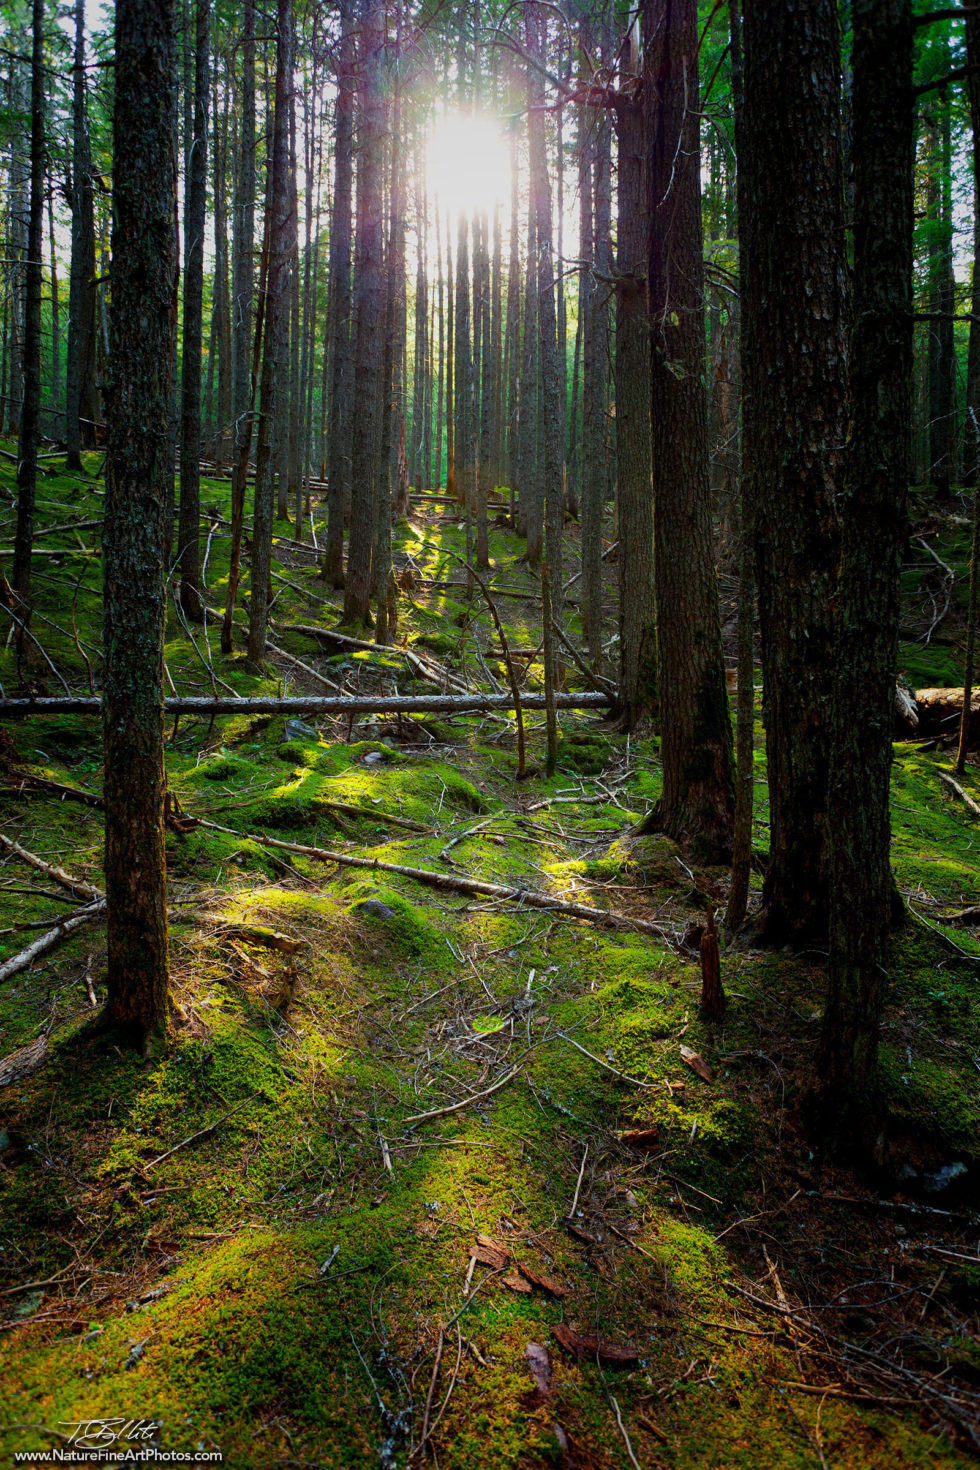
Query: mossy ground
point(279, 1287)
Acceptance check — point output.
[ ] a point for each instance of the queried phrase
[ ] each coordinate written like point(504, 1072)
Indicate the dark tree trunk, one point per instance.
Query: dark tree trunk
point(30, 417)
point(875, 494)
point(55, 318)
point(81, 400)
point(221, 319)
point(971, 428)
point(637, 609)
point(942, 361)
point(190, 420)
point(698, 792)
point(276, 318)
point(142, 315)
point(791, 230)
point(369, 289)
point(339, 308)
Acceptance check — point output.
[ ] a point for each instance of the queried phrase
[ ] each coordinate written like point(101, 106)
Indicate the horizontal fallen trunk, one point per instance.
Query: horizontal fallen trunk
point(76, 886)
point(940, 710)
point(50, 938)
point(477, 887)
point(311, 704)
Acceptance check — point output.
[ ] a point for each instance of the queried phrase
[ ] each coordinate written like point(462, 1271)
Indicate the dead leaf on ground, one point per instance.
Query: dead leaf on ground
point(515, 1281)
point(642, 1138)
point(540, 1365)
point(585, 1346)
point(546, 1283)
point(697, 1063)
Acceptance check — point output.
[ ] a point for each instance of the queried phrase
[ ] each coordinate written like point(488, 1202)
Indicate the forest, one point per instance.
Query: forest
point(489, 545)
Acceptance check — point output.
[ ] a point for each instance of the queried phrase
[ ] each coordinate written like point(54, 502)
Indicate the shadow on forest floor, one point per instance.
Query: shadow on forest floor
point(617, 1256)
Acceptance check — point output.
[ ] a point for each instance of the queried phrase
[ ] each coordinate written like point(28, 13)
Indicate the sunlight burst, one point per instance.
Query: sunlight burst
point(468, 164)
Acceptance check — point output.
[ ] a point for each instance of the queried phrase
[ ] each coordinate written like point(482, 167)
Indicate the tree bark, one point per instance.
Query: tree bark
point(81, 399)
point(142, 314)
point(637, 608)
point(195, 219)
point(697, 803)
point(875, 494)
point(791, 230)
point(276, 316)
point(30, 417)
point(369, 291)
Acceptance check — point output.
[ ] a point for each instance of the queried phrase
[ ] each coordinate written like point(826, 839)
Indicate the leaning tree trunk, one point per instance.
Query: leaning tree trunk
point(791, 225)
point(369, 328)
point(142, 313)
point(189, 522)
point(875, 494)
point(30, 417)
point(697, 804)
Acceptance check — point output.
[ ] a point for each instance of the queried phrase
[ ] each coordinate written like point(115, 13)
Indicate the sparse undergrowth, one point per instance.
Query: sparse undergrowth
point(247, 1240)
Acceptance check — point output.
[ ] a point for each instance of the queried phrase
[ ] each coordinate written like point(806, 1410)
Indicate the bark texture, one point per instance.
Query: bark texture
point(698, 792)
point(876, 487)
point(794, 376)
point(141, 325)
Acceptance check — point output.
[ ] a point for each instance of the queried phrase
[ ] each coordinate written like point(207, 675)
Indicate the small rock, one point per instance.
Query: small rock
point(298, 730)
point(375, 908)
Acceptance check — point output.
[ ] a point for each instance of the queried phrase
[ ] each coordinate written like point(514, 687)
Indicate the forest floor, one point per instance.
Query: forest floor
point(619, 1249)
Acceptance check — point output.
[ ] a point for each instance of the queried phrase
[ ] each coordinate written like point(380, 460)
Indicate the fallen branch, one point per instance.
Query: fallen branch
point(529, 897)
point(435, 673)
point(66, 793)
point(458, 1106)
point(957, 789)
point(261, 704)
point(50, 939)
point(201, 1133)
point(76, 886)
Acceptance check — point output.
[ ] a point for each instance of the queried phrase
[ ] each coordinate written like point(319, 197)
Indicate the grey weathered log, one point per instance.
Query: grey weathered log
point(413, 704)
point(50, 938)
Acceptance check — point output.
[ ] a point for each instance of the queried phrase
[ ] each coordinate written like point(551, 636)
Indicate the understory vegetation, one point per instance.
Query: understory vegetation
point(312, 1229)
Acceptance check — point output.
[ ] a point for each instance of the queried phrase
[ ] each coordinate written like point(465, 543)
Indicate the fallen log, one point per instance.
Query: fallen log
point(50, 938)
point(476, 887)
point(76, 886)
point(940, 711)
point(361, 704)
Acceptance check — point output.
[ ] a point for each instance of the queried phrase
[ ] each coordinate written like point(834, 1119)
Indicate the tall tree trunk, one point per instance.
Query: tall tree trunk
point(791, 229)
point(221, 322)
point(971, 427)
point(142, 315)
point(81, 402)
point(875, 494)
point(637, 608)
point(487, 410)
point(551, 418)
point(30, 418)
point(55, 319)
point(697, 805)
point(276, 318)
point(339, 308)
point(190, 419)
point(366, 476)
point(243, 375)
point(942, 361)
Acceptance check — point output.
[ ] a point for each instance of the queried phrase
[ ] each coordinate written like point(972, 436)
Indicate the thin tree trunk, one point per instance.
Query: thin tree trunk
point(276, 315)
point(81, 403)
point(366, 476)
point(30, 418)
point(339, 345)
point(190, 423)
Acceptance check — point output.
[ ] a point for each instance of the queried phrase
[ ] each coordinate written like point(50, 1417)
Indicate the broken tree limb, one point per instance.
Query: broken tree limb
point(52, 937)
point(76, 886)
point(957, 790)
point(407, 704)
point(55, 788)
point(940, 712)
point(457, 1107)
point(530, 897)
point(426, 669)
